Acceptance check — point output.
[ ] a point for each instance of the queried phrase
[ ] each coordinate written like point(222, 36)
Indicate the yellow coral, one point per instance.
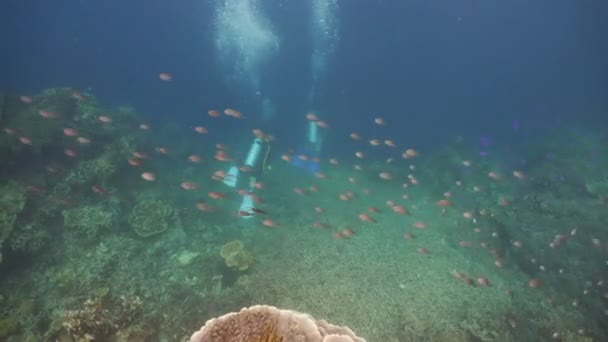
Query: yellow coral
point(231, 248)
point(242, 281)
point(150, 217)
point(235, 256)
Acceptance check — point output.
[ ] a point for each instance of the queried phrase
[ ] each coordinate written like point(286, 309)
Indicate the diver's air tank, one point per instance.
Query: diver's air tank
point(254, 153)
point(315, 139)
point(313, 132)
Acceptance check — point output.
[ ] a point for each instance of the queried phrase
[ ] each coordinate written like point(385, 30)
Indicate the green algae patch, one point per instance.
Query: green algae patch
point(8, 327)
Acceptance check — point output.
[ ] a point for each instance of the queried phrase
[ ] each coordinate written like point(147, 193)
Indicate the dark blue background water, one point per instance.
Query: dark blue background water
point(433, 68)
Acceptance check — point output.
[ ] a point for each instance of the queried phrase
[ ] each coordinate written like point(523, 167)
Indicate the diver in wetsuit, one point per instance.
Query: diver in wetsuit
point(257, 163)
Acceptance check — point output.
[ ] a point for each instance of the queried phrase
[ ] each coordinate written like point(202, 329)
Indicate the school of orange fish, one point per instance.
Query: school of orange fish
point(370, 216)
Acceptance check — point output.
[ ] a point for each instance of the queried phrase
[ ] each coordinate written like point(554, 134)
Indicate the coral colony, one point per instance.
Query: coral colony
point(117, 229)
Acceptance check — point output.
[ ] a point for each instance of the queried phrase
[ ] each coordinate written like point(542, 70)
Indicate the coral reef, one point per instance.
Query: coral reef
point(91, 171)
point(150, 217)
point(28, 238)
point(235, 256)
point(547, 222)
point(242, 280)
point(598, 187)
point(262, 323)
point(98, 169)
point(8, 327)
point(12, 201)
point(26, 121)
point(97, 321)
point(88, 220)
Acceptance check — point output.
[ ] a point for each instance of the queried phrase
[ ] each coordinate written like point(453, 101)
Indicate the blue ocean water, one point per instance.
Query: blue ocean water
point(501, 104)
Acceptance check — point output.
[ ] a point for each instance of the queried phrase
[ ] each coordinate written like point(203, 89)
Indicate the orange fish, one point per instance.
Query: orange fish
point(217, 195)
point(367, 218)
point(201, 130)
point(322, 124)
point(140, 155)
point(202, 206)
point(47, 114)
point(444, 203)
point(270, 223)
point(410, 153)
point(233, 112)
point(149, 176)
point(83, 140)
point(161, 150)
point(389, 143)
point(347, 232)
point(70, 152)
point(422, 250)
point(519, 175)
point(25, 140)
point(483, 281)
point(222, 156)
point(420, 225)
point(400, 209)
point(300, 191)
point(104, 119)
point(70, 132)
point(135, 162)
point(385, 175)
point(165, 76)
point(408, 236)
point(26, 99)
point(195, 158)
point(379, 121)
point(312, 117)
point(189, 186)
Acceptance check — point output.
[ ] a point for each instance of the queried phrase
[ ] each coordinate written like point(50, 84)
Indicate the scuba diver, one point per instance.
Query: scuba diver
point(256, 164)
point(311, 149)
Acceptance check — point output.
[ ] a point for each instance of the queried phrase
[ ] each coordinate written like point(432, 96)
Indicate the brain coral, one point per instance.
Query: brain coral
point(235, 256)
point(150, 217)
point(262, 323)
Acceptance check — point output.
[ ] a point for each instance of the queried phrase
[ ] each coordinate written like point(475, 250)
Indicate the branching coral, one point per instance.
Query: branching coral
point(235, 256)
point(150, 217)
point(96, 321)
point(262, 323)
point(88, 220)
point(97, 169)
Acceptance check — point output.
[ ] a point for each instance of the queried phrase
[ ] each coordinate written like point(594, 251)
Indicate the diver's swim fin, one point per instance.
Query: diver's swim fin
point(246, 206)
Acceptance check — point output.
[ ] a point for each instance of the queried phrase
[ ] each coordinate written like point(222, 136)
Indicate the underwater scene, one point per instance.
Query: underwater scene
point(303, 170)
